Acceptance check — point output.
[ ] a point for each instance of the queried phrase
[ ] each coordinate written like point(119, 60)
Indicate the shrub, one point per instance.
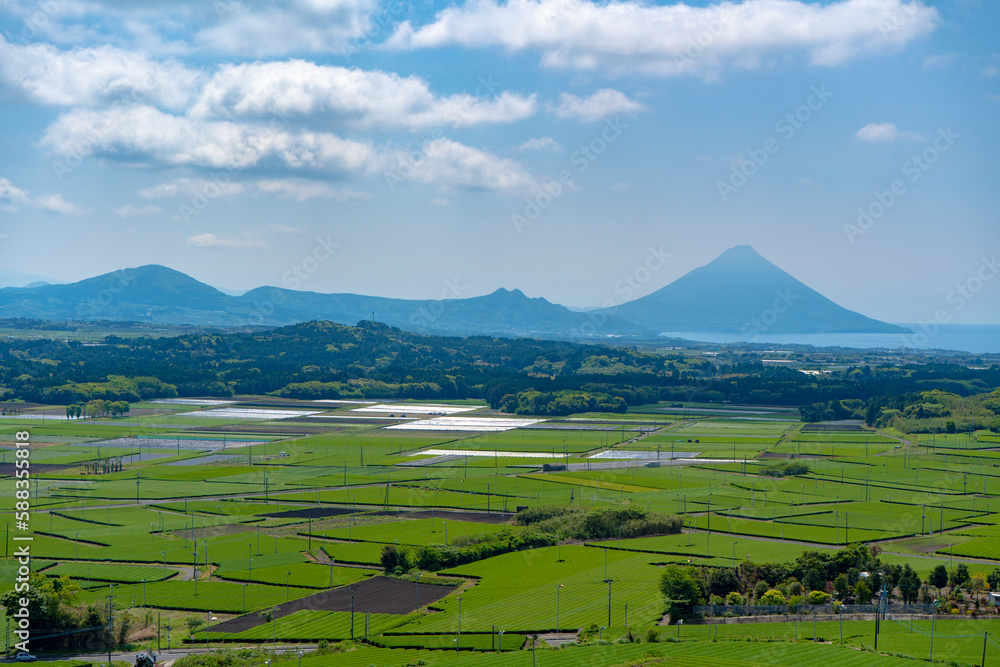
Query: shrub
point(818, 597)
point(772, 597)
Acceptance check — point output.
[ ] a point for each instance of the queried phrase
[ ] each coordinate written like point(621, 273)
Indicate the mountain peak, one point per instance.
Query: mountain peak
point(739, 289)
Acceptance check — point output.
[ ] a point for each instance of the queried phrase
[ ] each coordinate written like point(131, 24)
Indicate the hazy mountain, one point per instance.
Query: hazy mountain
point(20, 279)
point(161, 295)
point(740, 291)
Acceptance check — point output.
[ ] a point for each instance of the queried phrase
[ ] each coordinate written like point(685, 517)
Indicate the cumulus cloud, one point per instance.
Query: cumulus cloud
point(361, 98)
point(13, 197)
point(145, 135)
point(540, 144)
point(288, 26)
point(302, 190)
point(132, 211)
point(605, 103)
point(449, 163)
point(231, 27)
point(190, 187)
point(677, 38)
point(275, 91)
point(209, 240)
point(93, 76)
point(11, 194)
point(942, 61)
point(876, 132)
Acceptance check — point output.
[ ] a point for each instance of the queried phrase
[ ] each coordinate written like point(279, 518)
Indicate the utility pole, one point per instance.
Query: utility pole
point(110, 626)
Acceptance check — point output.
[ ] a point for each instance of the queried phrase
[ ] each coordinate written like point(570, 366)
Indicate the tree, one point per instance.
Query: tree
point(993, 579)
point(193, 623)
point(815, 579)
point(392, 558)
point(959, 575)
point(681, 592)
point(722, 581)
point(772, 597)
point(977, 584)
point(909, 584)
point(841, 586)
point(862, 594)
point(939, 577)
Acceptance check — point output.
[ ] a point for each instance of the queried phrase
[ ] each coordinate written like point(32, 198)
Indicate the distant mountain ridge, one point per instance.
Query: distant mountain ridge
point(158, 294)
point(739, 291)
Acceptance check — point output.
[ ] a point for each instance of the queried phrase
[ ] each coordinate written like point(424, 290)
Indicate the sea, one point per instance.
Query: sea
point(970, 338)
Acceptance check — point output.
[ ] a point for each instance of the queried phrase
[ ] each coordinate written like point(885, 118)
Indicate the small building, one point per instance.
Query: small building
point(994, 599)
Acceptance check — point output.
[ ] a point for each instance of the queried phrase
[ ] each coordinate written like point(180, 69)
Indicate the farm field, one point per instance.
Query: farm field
point(292, 516)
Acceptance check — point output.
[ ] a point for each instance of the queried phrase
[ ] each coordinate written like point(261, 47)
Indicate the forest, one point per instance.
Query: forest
point(371, 360)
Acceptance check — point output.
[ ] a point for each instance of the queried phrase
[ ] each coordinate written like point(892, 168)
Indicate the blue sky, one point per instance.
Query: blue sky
point(428, 150)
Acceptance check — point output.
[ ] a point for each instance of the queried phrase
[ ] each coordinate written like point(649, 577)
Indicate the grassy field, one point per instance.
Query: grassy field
point(352, 491)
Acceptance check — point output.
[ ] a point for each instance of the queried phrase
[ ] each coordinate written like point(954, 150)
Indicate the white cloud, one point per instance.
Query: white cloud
point(13, 197)
point(878, 132)
point(272, 91)
point(132, 211)
point(540, 144)
point(449, 163)
point(93, 76)
point(143, 135)
point(11, 194)
point(603, 104)
point(874, 132)
point(942, 61)
point(361, 98)
point(301, 190)
point(284, 229)
point(630, 36)
point(233, 27)
point(56, 204)
point(190, 187)
point(289, 26)
point(209, 240)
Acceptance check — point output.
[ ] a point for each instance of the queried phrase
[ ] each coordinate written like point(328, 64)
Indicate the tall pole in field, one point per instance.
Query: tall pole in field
point(352, 612)
point(609, 603)
point(558, 588)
